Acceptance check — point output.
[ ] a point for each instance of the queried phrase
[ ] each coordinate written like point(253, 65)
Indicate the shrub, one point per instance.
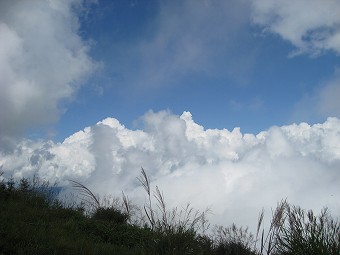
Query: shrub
point(110, 214)
point(233, 241)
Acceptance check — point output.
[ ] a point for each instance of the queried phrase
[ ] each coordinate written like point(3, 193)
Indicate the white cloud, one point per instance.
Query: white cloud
point(235, 174)
point(312, 26)
point(42, 61)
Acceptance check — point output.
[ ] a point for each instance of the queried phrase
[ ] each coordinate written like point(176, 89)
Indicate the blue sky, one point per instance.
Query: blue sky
point(239, 96)
point(245, 77)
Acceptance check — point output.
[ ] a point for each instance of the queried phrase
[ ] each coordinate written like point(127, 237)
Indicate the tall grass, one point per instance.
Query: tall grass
point(161, 218)
point(107, 210)
point(303, 232)
point(233, 240)
point(33, 220)
point(294, 231)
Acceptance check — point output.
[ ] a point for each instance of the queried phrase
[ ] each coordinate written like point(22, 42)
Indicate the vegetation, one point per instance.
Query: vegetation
point(33, 220)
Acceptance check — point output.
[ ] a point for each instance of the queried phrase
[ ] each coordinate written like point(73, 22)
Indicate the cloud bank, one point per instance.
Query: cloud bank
point(42, 61)
point(234, 174)
point(312, 26)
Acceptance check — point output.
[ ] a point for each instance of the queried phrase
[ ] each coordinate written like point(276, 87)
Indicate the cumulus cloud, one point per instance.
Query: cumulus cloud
point(234, 174)
point(42, 61)
point(311, 26)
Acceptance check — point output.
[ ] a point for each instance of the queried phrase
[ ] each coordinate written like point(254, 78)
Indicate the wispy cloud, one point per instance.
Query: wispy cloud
point(189, 37)
point(322, 102)
point(312, 26)
point(235, 174)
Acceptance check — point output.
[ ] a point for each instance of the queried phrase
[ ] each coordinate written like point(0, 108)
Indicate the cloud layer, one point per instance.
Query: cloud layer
point(42, 61)
point(233, 173)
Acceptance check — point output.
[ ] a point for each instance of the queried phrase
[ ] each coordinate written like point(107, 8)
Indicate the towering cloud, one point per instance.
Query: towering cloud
point(233, 173)
point(42, 61)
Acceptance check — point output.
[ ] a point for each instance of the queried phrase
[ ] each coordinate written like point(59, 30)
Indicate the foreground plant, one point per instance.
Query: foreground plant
point(233, 240)
point(105, 227)
point(305, 233)
point(163, 219)
point(108, 210)
point(294, 231)
point(176, 230)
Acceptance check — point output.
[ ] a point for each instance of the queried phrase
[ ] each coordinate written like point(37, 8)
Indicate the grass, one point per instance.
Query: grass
point(33, 220)
point(294, 231)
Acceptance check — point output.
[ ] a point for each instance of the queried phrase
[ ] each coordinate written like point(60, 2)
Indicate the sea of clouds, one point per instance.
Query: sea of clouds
point(234, 174)
point(44, 61)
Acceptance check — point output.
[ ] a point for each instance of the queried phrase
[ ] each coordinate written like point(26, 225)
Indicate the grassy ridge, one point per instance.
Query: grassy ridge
point(34, 221)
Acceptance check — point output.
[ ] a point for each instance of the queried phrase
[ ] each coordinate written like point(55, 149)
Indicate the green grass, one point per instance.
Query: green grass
point(34, 221)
